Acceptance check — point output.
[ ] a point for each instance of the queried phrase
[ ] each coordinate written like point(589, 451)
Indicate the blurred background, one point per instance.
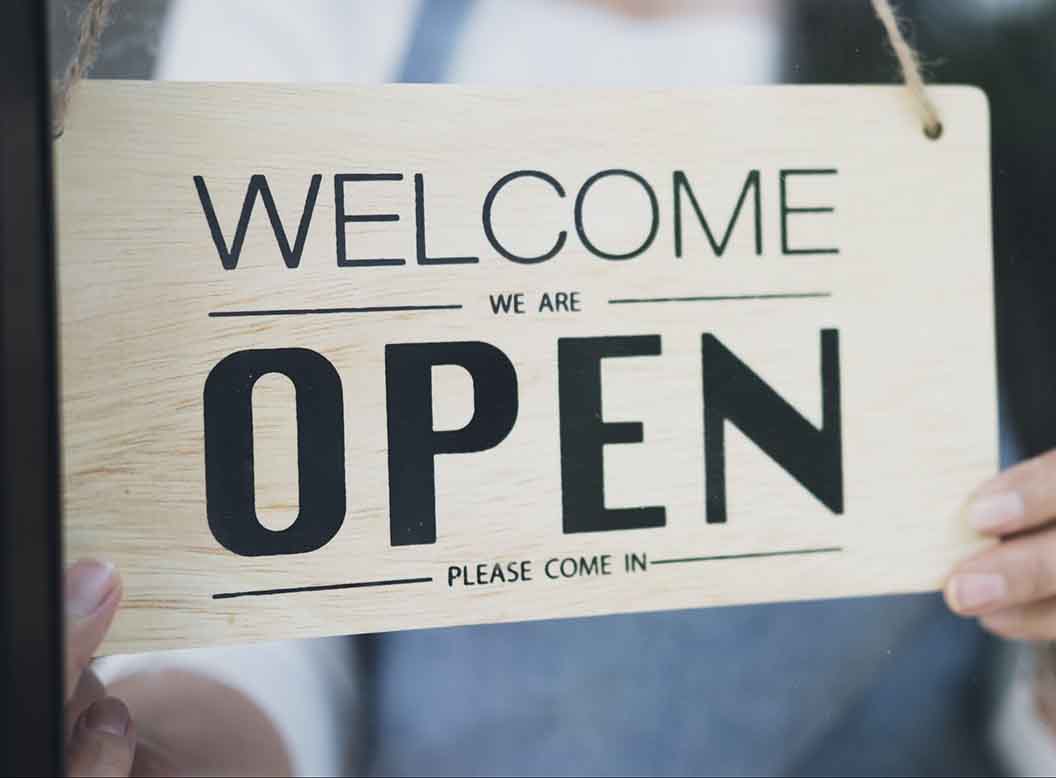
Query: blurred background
point(881, 686)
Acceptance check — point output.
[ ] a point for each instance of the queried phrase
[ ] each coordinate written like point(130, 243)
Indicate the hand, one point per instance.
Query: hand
point(100, 737)
point(1011, 586)
point(188, 724)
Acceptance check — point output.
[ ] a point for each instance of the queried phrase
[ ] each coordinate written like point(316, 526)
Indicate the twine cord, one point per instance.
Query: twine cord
point(93, 21)
point(909, 62)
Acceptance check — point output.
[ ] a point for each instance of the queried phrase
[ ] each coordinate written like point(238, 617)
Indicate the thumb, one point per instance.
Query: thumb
point(93, 591)
point(104, 741)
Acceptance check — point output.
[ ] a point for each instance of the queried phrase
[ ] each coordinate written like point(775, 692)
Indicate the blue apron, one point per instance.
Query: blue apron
point(880, 686)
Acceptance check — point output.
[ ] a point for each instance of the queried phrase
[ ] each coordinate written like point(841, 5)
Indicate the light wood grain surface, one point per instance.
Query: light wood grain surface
point(910, 293)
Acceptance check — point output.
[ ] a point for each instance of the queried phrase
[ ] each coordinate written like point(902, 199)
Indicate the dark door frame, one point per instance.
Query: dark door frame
point(31, 628)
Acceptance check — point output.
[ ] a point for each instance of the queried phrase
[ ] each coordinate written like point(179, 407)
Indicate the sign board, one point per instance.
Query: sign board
point(341, 359)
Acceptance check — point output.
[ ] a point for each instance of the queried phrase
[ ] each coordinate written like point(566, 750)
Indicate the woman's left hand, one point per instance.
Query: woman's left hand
point(1011, 586)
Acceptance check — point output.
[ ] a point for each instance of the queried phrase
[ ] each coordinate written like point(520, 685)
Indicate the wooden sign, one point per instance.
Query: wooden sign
point(339, 360)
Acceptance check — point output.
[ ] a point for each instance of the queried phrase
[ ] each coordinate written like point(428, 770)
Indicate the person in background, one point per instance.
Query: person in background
point(880, 686)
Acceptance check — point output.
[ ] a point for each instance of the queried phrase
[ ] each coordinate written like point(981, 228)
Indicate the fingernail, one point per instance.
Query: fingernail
point(88, 583)
point(995, 511)
point(976, 590)
point(108, 715)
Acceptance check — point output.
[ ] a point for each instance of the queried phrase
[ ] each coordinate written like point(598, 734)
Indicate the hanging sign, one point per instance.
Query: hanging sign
point(341, 359)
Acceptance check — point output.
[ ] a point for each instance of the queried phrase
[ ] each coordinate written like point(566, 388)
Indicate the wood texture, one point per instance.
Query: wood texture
point(910, 293)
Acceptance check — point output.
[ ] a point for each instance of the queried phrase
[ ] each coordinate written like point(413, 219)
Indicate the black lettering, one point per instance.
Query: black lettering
point(654, 205)
point(786, 210)
point(229, 493)
point(258, 184)
point(341, 218)
point(413, 443)
point(584, 434)
point(489, 229)
point(507, 303)
point(732, 392)
point(632, 563)
point(752, 182)
point(419, 230)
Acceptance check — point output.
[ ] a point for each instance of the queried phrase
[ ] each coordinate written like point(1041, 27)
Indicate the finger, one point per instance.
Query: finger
point(89, 690)
point(1012, 572)
point(104, 741)
point(1033, 621)
point(93, 590)
point(1021, 498)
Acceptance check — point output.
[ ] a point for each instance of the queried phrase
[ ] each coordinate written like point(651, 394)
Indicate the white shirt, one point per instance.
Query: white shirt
point(511, 43)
